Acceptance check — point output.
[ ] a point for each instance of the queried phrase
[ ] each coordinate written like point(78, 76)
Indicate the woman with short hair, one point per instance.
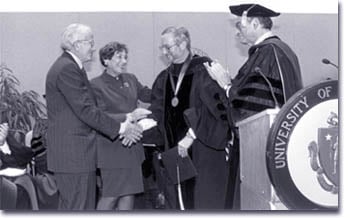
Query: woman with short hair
point(118, 92)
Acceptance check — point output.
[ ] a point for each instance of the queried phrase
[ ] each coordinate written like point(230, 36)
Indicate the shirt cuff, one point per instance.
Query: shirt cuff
point(191, 133)
point(122, 127)
point(227, 89)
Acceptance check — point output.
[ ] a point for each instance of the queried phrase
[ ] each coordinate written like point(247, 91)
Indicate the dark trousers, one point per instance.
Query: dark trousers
point(77, 191)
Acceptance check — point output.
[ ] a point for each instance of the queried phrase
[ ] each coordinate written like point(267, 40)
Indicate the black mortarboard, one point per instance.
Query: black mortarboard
point(252, 10)
point(171, 160)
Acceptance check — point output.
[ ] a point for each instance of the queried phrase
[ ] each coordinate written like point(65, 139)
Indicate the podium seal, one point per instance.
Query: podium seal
point(302, 154)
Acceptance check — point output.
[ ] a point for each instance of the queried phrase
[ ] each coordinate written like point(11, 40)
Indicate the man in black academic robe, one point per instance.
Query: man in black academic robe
point(269, 77)
point(270, 61)
point(192, 117)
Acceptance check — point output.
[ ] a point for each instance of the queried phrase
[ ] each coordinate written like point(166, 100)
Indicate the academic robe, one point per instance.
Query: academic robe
point(250, 92)
point(202, 107)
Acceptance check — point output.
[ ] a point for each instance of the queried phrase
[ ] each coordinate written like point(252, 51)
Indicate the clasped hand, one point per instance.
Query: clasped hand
point(132, 134)
point(133, 131)
point(218, 73)
point(138, 114)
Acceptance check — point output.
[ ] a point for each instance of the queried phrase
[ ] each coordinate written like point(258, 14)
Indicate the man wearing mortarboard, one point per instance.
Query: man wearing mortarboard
point(269, 57)
point(269, 77)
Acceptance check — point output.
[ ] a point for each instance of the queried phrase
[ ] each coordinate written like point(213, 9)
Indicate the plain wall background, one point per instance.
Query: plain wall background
point(29, 42)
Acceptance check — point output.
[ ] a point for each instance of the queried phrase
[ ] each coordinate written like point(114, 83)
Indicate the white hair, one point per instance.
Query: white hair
point(74, 32)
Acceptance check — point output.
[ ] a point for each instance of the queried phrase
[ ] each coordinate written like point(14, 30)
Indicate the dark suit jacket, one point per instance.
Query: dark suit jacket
point(73, 118)
point(119, 97)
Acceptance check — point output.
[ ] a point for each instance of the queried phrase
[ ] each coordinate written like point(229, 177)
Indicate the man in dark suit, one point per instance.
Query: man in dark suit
point(74, 120)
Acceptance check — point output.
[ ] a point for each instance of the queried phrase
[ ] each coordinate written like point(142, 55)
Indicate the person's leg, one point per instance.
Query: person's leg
point(126, 202)
point(167, 196)
point(107, 203)
point(77, 191)
point(188, 193)
point(232, 195)
point(211, 181)
point(119, 187)
point(23, 199)
point(170, 194)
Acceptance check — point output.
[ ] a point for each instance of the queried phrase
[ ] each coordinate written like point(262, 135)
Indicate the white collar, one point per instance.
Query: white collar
point(76, 59)
point(263, 37)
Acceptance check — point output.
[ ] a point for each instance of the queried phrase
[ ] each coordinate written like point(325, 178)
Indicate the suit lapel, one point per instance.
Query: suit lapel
point(82, 72)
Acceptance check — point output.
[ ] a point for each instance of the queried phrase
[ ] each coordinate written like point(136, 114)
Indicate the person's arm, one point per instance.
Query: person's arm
point(143, 92)
point(185, 143)
point(207, 117)
point(155, 135)
point(157, 98)
point(4, 129)
point(129, 131)
point(219, 74)
point(3, 145)
point(19, 156)
point(74, 88)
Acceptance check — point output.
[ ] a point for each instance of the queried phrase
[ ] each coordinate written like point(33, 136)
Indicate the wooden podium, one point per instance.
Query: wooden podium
point(257, 192)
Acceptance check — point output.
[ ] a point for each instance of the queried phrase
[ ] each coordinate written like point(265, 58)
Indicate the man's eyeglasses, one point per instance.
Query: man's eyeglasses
point(90, 41)
point(167, 47)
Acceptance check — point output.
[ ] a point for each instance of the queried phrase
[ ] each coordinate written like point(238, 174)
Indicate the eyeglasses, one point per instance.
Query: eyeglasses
point(90, 41)
point(167, 47)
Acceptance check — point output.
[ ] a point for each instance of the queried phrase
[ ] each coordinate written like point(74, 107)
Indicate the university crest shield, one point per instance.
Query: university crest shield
point(324, 155)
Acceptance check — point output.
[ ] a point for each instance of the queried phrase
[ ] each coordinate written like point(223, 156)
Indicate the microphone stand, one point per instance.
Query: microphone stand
point(258, 70)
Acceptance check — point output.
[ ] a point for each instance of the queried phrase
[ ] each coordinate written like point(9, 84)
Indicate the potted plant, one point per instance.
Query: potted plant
point(19, 109)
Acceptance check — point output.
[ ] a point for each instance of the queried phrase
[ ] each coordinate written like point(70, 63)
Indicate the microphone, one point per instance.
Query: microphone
point(326, 61)
point(258, 70)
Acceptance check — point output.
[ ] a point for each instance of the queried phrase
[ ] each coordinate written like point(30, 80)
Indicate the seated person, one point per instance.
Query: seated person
point(14, 158)
point(18, 189)
point(36, 140)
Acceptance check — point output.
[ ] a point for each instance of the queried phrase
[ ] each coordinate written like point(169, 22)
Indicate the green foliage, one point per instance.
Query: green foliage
point(19, 109)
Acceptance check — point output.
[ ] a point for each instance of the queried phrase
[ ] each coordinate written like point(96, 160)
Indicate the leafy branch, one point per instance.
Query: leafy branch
point(19, 109)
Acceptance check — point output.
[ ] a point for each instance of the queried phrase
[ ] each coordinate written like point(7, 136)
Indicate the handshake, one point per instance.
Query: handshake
point(131, 129)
